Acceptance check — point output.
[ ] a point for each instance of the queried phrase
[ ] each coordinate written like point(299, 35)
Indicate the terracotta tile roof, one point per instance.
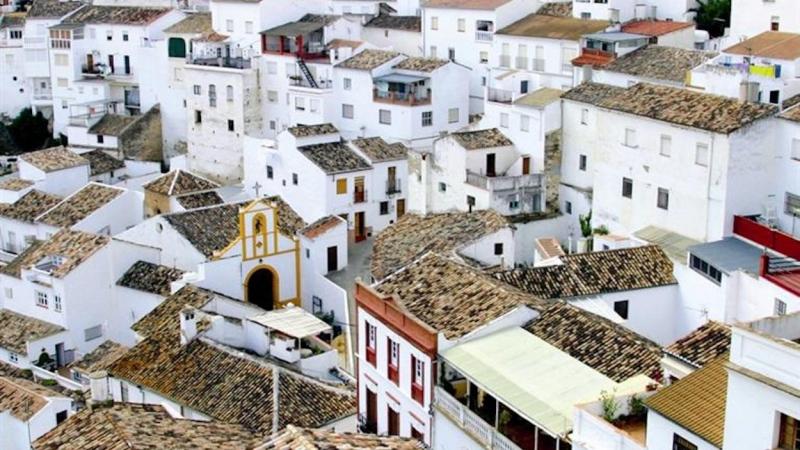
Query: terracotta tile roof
point(592, 93)
point(30, 206)
point(339, 43)
point(697, 401)
point(42, 9)
point(480, 139)
point(402, 23)
point(321, 226)
point(178, 182)
point(101, 162)
point(659, 62)
point(129, 426)
point(595, 273)
point(293, 438)
point(148, 277)
point(450, 297)
point(72, 247)
point(702, 345)
point(199, 199)
point(53, 159)
point(594, 58)
point(378, 150)
point(769, 44)
point(414, 235)
point(465, 4)
point(163, 321)
point(100, 358)
point(549, 247)
point(792, 114)
point(368, 59)
point(312, 130)
point(687, 108)
point(12, 20)
point(14, 267)
point(15, 184)
point(334, 157)
point(196, 23)
point(115, 15)
point(791, 101)
point(212, 228)
point(420, 64)
point(553, 27)
point(611, 349)
point(23, 398)
point(229, 388)
point(112, 125)
point(558, 9)
point(654, 27)
point(80, 205)
point(17, 330)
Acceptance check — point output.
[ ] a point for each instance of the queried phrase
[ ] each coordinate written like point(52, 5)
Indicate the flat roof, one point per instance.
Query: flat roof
point(400, 78)
point(533, 377)
point(614, 36)
point(729, 255)
point(292, 321)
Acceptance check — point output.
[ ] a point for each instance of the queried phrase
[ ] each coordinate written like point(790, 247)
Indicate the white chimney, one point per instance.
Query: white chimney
point(188, 325)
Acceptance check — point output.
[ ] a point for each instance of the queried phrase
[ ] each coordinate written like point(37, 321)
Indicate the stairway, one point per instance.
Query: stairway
point(307, 73)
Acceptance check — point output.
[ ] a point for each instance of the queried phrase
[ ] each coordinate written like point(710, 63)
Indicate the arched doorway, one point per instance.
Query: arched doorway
point(262, 288)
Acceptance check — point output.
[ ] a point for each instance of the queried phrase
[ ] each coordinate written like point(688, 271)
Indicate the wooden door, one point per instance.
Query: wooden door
point(394, 422)
point(359, 193)
point(526, 165)
point(490, 166)
point(333, 259)
point(372, 412)
point(401, 207)
point(360, 226)
point(391, 180)
point(89, 63)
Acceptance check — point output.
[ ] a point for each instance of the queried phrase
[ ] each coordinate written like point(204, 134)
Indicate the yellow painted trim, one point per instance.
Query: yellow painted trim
point(274, 227)
point(276, 287)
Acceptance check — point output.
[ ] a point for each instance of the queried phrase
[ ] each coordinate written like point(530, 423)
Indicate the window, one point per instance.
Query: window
point(212, 95)
point(13, 357)
point(442, 187)
point(679, 443)
point(503, 120)
point(41, 299)
point(347, 111)
point(796, 149)
point(523, 87)
point(434, 23)
point(582, 163)
point(427, 118)
point(524, 123)
point(451, 54)
point(92, 333)
point(417, 379)
point(384, 208)
point(789, 438)
point(452, 115)
point(775, 23)
point(666, 145)
point(568, 207)
point(701, 155)
point(229, 93)
point(9, 293)
point(705, 269)
point(621, 308)
point(341, 186)
point(484, 57)
point(15, 34)
point(248, 26)
point(584, 116)
point(123, 392)
point(125, 36)
point(663, 198)
point(370, 336)
point(627, 188)
point(109, 35)
point(774, 97)
point(630, 137)
point(198, 116)
point(229, 25)
point(791, 204)
point(462, 25)
point(348, 84)
point(100, 138)
point(63, 60)
point(231, 126)
point(498, 248)
point(62, 82)
point(393, 360)
point(299, 103)
point(270, 173)
point(385, 116)
point(272, 96)
point(295, 179)
point(57, 303)
point(780, 307)
point(196, 89)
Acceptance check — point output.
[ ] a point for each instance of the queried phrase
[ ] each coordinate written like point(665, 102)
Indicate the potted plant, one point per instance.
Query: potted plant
point(584, 243)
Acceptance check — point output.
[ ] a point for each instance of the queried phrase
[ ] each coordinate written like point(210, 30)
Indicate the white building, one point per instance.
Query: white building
point(360, 180)
point(55, 170)
point(28, 410)
point(621, 11)
point(14, 95)
point(38, 337)
point(464, 32)
point(656, 64)
point(399, 33)
point(752, 17)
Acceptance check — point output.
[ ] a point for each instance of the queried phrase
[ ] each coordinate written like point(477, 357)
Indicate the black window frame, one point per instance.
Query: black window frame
point(627, 187)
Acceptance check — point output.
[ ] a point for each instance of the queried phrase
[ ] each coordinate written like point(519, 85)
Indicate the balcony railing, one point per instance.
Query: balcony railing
point(399, 98)
point(42, 95)
point(500, 95)
point(538, 65)
point(393, 187)
point(505, 60)
point(521, 62)
point(484, 36)
point(504, 183)
point(359, 196)
point(750, 228)
point(301, 81)
point(226, 62)
point(471, 422)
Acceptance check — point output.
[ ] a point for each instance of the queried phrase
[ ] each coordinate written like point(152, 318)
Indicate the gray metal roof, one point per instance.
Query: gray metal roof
point(614, 36)
point(729, 255)
point(400, 78)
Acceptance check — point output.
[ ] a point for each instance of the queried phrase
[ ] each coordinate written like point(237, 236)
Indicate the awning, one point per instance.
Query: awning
point(292, 321)
point(294, 29)
point(400, 78)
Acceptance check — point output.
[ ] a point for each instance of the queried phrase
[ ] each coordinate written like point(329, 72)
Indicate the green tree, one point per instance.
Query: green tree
point(7, 144)
point(29, 131)
point(712, 16)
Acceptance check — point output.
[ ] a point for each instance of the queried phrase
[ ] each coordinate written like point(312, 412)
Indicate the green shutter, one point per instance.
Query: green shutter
point(177, 48)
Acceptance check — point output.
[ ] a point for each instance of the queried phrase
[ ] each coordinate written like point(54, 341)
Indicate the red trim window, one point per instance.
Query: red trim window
point(417, 379)
point(371, 336)
point(393, 360)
